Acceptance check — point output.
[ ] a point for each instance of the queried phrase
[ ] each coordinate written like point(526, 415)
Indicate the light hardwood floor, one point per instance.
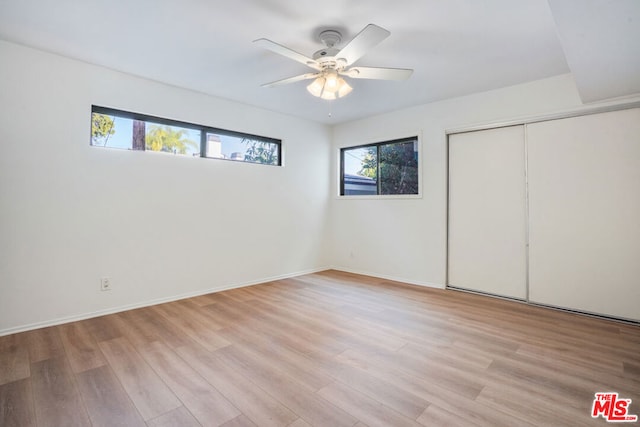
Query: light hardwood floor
point(327, 349)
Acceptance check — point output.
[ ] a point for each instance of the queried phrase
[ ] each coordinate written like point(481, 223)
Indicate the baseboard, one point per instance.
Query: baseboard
point(113, 310)
point(601, 316)
point(387, 277)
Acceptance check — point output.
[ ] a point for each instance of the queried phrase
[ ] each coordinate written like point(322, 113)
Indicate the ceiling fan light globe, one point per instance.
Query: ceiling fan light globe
point(328, 95)
point(315, 88)
point(345, 89)
point(332, 80)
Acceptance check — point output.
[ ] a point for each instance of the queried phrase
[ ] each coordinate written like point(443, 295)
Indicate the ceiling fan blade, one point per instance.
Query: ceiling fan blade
point(292, 79)
point(370, 36)
point(378, 73)
point(285, 51)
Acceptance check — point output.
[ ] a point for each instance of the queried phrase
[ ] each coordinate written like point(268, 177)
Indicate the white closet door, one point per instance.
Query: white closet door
point(487, 211)
point(584, 211)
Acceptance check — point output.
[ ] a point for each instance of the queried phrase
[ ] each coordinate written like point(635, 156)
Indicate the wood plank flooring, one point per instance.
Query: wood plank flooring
point(327, 349)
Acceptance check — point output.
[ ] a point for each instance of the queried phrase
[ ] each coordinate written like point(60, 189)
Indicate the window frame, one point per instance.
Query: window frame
point(204, 130)
point(416, 138)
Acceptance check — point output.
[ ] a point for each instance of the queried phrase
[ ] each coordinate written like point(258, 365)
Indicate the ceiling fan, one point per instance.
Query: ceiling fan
point(331, 63)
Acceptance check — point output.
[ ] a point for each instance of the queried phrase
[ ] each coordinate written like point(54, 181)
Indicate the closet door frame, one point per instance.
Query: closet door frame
point(536, 119)
point(499, 173)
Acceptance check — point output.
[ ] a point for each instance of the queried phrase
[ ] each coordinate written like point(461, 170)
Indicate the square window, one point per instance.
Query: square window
point(385, 168)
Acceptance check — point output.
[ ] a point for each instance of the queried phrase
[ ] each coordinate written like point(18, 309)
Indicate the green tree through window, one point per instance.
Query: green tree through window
point(261, 152)
point(168, 139)
point(101, 129)
point(398, 169)
point(392, 167)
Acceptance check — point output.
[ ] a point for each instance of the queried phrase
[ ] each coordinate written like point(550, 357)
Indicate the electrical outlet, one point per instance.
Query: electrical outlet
point(105, 284)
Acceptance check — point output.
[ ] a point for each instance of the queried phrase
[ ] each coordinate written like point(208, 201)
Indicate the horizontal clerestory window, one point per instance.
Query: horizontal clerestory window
point(132, 131)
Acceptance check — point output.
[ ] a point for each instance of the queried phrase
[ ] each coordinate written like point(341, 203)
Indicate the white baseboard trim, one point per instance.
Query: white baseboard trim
point(84, 316)
point(393, 278)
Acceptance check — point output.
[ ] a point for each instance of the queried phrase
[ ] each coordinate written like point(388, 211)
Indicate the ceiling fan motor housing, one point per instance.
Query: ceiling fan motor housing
point(327, 56)
point(330, 38)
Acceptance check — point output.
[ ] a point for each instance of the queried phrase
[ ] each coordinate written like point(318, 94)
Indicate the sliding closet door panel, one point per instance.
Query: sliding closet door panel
point(487, 211)
point(584, 210)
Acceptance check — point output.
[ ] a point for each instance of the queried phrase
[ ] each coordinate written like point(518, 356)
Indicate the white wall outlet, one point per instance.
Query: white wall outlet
point(105, 284)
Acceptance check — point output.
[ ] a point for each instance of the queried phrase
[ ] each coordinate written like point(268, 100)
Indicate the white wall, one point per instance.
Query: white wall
point(159, 226)
point(162, 226)
point(406, 239)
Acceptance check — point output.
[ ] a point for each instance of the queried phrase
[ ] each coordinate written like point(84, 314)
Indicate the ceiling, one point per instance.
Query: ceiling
point(456, 47)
